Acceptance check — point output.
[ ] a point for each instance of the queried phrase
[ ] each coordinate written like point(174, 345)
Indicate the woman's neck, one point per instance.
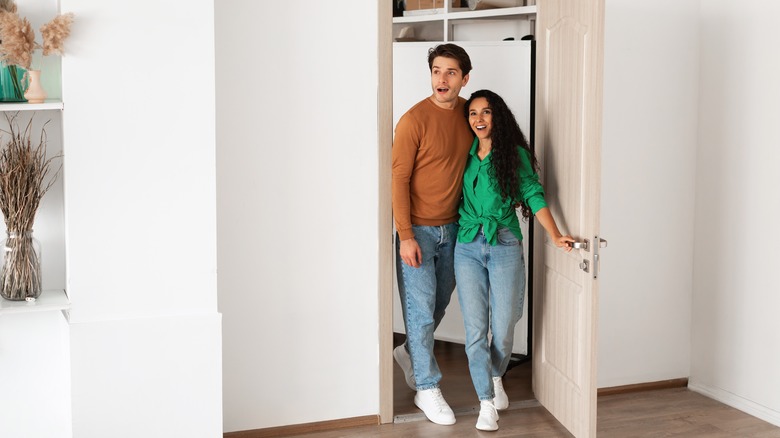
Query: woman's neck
point(484, 148)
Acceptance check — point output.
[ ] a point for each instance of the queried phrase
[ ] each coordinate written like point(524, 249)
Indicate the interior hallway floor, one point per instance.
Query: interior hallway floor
point(676, 412)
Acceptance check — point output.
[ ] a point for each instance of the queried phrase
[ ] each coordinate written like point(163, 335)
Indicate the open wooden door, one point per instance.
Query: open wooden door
point(570, 41)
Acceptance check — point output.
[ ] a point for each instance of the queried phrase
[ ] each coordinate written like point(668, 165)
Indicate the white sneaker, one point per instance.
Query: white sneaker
point(488, 416)
point(501, 400)
point(405, 362)
point(434, 406)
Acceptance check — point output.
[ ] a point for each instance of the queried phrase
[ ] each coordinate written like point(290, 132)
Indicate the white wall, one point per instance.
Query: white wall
point(736, 331)
point(34, 364)
point(140, 219)
point(648, 175)
point(297, 198)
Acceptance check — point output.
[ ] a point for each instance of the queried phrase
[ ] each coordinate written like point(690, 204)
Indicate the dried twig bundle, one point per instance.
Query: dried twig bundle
point(25, 176)
point(55, 32)
point(17, 40)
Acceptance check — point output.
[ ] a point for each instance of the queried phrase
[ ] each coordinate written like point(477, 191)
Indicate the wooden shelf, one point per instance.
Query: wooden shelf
point(49, 104)
point(48, 301)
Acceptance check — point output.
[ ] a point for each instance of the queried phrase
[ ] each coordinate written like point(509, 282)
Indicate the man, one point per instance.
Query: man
point(430, 148)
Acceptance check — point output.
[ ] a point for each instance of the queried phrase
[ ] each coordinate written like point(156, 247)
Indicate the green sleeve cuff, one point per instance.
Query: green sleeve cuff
point(536, 203)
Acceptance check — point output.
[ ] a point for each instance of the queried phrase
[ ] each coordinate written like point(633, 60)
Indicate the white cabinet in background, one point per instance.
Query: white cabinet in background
point(462, 24)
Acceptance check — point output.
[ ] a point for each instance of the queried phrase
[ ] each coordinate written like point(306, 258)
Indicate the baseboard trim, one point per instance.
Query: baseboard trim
point(300, 429)
point(750, 407)
point(648, 386)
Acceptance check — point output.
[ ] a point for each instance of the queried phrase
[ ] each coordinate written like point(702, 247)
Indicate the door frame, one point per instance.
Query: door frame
point(385, 227)
point(385, 221)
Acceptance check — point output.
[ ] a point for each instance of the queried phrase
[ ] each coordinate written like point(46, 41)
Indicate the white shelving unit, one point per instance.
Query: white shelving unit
point(52, 104)
point(48, 301)
point(442, 24)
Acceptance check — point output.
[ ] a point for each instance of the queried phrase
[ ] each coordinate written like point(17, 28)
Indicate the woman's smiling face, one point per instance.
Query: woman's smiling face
point(481, 118)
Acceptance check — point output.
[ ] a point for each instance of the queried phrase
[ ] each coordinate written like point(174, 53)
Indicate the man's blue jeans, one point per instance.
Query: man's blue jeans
point(425, 293)
point(491, 291)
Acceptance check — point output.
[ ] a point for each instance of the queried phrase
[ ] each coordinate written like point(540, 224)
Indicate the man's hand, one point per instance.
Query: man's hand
point(411, 254)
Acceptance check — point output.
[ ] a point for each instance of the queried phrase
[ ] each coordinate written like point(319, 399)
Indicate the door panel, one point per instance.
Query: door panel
point(568, 142)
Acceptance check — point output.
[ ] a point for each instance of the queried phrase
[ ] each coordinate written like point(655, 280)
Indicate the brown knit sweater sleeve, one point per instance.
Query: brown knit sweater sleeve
point(430, 148)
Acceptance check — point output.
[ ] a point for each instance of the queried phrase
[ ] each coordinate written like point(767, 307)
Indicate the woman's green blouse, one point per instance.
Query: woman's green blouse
point(482, 204)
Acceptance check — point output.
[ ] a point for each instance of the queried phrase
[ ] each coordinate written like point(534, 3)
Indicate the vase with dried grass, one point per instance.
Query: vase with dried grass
point(26, 174)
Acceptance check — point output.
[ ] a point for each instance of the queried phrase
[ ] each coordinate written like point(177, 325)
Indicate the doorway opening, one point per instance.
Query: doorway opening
point(450, 354)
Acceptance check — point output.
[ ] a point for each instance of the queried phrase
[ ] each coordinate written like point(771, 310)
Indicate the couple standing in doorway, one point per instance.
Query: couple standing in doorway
point(461, 169)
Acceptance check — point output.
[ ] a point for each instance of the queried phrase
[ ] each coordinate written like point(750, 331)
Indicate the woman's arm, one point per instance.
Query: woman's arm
point(548, 222)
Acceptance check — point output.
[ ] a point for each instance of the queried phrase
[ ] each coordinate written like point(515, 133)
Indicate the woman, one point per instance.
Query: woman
point(500, 176)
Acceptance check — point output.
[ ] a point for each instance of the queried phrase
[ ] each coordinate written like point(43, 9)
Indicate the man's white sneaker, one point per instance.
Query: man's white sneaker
point(405, 362)
point(488, 416)
point(434, 406)
point(501, 400)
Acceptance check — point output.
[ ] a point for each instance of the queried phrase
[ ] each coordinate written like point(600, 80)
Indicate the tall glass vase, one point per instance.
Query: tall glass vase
point(13, 83)
point(20, 272)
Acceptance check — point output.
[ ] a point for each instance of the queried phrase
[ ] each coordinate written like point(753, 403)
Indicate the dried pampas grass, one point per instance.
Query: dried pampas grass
point(8, 5)
point(55, 32)
point(17, 40)
point(17, 37)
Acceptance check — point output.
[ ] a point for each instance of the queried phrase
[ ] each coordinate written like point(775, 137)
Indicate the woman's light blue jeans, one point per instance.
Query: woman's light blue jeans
point(425, 293)
point(491, 291)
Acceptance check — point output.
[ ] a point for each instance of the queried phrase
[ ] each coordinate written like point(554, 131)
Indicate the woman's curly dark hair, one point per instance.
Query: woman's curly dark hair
point(506, 136)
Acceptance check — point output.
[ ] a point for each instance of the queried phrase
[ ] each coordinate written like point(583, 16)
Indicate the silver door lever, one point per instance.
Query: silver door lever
point(579, 245)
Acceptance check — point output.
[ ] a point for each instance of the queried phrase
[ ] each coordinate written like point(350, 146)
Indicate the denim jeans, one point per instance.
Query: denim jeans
point(491, 291)
point(425, 293)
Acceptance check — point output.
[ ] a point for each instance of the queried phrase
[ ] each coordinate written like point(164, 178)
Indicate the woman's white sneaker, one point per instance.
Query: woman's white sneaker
point(488, 416)
point(434, 406)
point(501, 400)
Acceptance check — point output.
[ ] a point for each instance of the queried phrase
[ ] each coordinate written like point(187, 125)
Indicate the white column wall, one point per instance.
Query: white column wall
point(297, 190)
point(736, 331)
point(34, 375)
point(140, 219)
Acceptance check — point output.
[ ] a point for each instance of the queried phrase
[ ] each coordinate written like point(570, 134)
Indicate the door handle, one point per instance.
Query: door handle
point(579, 245)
